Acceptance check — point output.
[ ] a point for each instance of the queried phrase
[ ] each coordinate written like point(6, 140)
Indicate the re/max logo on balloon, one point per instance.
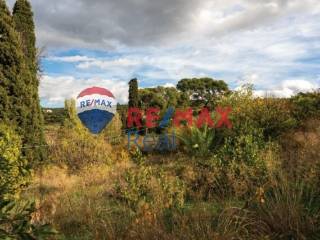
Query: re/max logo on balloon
point(167, 141)
point(95, 102)
point(96, 108)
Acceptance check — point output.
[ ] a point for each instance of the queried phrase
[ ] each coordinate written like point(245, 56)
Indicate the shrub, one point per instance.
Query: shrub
point(72, 120)
point(57, 116)
point(16, 222)
point(244, 148)
point(306, 105)
point(300, 152)
point(13, 168)
point(113, 132)
point(241, 167)
point(75, 146)
point(15, 216)
point(274, 116)
point(213, 180)
point(290, 209)
point(141, 186)
point(271, 115)
point(237, 168)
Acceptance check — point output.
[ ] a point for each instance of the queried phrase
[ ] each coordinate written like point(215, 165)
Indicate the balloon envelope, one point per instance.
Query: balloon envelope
point(96, 108)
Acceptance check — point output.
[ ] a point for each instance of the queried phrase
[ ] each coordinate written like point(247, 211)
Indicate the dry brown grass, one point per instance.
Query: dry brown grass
point(238, 205)
point(301, 155)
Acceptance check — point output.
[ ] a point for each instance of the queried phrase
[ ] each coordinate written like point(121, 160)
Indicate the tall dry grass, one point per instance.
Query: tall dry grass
point(250, 187)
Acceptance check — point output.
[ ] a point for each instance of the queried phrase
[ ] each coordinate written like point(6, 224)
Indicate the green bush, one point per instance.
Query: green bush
point(15, 216)
point(13, 168)
point(224, 174)
point(274, 116)
point(144, 185)
point(244, 148)
point(75, 146)
point(16, 222)
point(306, 105)
point(271, 115)
point(240, 164)
point(72, 120)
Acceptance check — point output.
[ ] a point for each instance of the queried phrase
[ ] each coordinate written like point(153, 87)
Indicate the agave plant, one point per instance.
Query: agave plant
point(200, 141)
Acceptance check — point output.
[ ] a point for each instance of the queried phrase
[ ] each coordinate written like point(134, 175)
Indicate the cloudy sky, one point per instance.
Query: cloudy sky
point(273, 44)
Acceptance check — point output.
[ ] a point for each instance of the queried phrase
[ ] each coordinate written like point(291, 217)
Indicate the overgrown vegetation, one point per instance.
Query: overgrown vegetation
point(258, 180)
point(13, 173)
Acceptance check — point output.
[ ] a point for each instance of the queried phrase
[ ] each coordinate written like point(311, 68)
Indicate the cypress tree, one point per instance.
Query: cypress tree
point(133, 93)
point(12, 68)
point(24, 24)
point(8, 42)
point(23, 18)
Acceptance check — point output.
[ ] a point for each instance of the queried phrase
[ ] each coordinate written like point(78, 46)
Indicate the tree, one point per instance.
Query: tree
point(23, 18)
point(202, 91)
point(13, 72)
point(14, 112)
point(8, 42)
point(24, 24)
point(161, 97)
point(133, 93)
point(149, 97)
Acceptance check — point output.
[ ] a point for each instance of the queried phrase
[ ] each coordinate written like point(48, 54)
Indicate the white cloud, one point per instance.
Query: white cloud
point(288, 88)
point(262, 42)
point(107, 64)
point(54, 90)
point(286, 51)
point(71, 59)
point(169, 85)
point(250, 78)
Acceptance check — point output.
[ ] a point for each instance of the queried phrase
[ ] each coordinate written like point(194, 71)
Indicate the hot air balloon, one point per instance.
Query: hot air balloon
point(96, 108)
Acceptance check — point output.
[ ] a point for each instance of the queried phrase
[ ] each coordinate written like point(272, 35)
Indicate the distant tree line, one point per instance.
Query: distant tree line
point(204, 92)
point(191, 92)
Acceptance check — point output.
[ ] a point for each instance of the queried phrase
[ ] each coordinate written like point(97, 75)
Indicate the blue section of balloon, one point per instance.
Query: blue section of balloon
point(96, 120)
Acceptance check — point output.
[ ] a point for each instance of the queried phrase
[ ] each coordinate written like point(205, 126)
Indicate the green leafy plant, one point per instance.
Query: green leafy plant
point(77, 147)
point(272, 116)
point(16, 222)
point(306, 105)
point(137, 156)
point(13, 167)
point(143, 185)
point(200, 142)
